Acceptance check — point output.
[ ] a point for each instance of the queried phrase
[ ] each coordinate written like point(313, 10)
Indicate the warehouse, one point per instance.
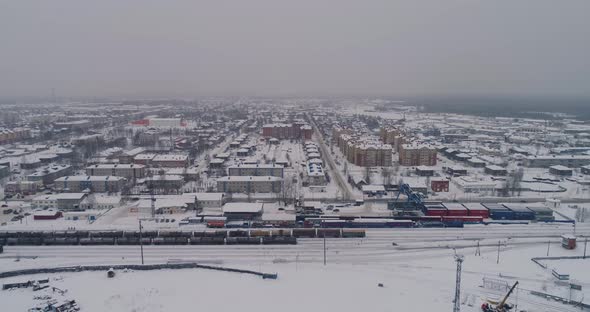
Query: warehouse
point(63, 201)
point(242, 211)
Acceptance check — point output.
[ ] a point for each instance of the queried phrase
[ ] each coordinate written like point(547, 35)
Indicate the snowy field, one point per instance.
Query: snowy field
point(418, 273)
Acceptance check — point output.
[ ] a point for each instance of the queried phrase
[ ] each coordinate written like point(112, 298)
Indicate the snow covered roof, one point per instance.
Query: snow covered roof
point(249, 178)
point(373, 188)
point(242, 207)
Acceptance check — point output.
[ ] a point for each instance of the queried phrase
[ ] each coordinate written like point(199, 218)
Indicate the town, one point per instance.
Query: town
point(301, 163)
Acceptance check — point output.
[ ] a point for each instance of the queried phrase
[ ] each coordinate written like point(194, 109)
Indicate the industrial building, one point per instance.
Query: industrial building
point(242, 211)
point(63, 201)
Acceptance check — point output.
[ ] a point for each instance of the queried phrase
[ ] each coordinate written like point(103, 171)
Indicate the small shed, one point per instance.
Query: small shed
point(568, 241)
point(561, 170)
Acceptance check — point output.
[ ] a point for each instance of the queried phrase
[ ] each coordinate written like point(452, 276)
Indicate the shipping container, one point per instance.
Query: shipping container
point(520, 212)
point(456, 209)
point(353, 233)
point(477, 210)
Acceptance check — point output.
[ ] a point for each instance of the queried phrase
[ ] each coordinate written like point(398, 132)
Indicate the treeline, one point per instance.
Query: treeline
point(516, 107)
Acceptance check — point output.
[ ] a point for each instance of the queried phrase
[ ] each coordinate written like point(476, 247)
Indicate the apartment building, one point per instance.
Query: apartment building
point(99, 184)
point(417, 155)
point(13, 135)
point(287, 131)
point(256, 170)
point(392, 136)
point(170, 161)
point(249, 184)
point(165, 181)
point(572, 161)
point(129, 171)
point(365, 151)
point(48, 174)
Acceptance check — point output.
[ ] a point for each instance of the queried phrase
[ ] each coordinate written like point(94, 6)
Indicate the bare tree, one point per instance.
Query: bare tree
point(288, 191)
point(367, 176)
point(514, 181)
point(387, 174)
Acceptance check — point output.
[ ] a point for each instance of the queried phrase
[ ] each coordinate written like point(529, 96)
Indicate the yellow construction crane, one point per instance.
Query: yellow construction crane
point(501, 306)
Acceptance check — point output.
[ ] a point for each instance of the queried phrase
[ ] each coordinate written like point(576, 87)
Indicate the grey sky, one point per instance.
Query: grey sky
point(305, 47)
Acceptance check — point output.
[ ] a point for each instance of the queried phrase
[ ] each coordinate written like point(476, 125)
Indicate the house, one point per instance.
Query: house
point(208, 200)
point(495, 170)
point(456, 171)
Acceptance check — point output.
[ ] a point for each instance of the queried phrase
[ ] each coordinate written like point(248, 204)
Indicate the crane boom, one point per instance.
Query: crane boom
point(503, 302)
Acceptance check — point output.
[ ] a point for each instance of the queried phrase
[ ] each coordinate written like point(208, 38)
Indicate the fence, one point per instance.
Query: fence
point(147, 267)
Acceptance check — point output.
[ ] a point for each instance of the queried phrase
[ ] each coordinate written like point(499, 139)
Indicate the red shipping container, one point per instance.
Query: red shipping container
point(436, 212)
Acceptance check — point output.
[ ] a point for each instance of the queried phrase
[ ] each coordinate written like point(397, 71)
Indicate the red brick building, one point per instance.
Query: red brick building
point(287, 131)
point(441, 185)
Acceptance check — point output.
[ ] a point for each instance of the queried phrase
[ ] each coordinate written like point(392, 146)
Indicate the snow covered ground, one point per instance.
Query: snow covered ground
point(418, 273)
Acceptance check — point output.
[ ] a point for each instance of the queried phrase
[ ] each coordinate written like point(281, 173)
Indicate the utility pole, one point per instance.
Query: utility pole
point(548, 244)
point(457, 302)
point(141, 240)
point(498, 257)
point(585, 245)
point(324, 242)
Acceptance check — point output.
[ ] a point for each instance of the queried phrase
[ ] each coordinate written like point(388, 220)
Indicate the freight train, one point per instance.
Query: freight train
point(207, 237)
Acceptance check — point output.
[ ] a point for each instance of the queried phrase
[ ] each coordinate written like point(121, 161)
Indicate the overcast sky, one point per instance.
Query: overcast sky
point(296, 47)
